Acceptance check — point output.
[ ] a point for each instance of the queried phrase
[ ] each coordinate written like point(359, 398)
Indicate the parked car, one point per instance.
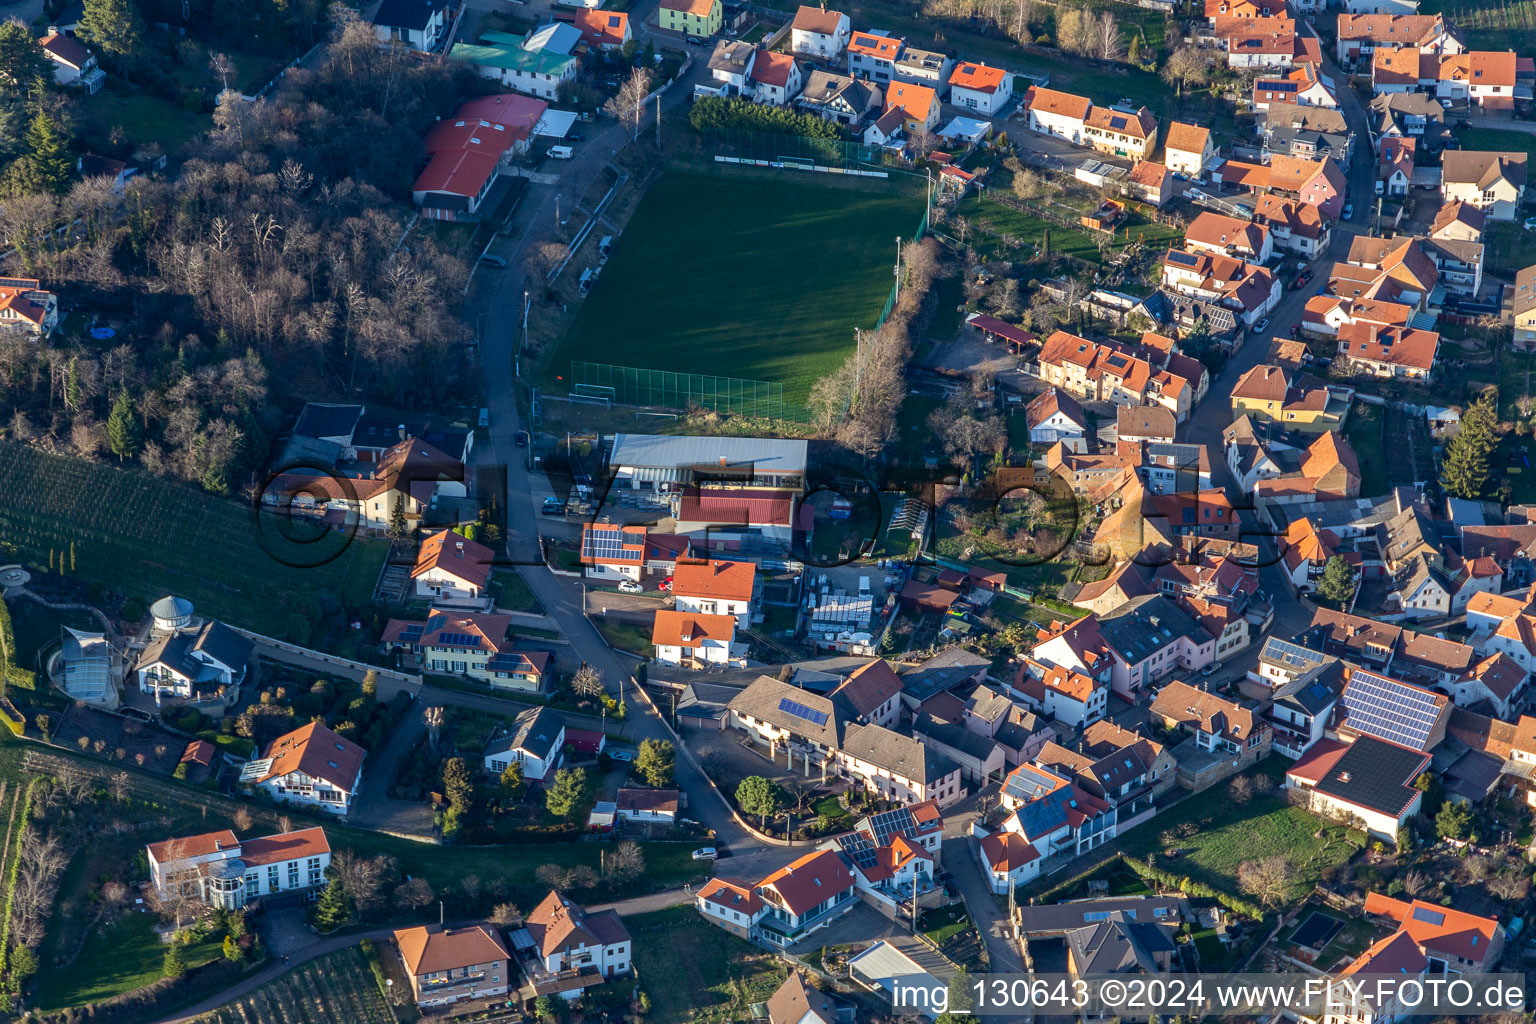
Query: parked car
point(520, 439)
point(1349, 210)
point(553, 507)
point(620, 754)
point(1262, 325)
point(575, 137)
point(1295, 330)
point(665, 585)
point(1303, 278)
point(694, 41)
point(705, 853)
point(1210, 669)
point(630, 587)
point(492, 260)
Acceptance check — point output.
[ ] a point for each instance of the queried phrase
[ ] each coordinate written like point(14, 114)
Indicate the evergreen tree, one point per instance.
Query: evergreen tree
point(397, 519)
point(175, 963)
point(512, 780)
point(759, 796)
point(565, 796)
point(1454, 821)
point(232, 951)
point(1338, 581)
point(122, 427)
point(112, 25)
point(46, 166)
point(334, 907)
point(655, 762)
point(457, 785)
point(1464, 472)
point(23, 965)
point(21, 59)
point(371, 684)
point(1133, 54)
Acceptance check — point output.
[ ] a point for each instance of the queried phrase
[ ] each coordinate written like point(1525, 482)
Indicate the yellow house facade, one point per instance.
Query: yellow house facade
point(691, 17)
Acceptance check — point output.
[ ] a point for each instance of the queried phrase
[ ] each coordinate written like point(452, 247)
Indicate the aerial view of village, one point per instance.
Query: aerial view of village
point(713, 511)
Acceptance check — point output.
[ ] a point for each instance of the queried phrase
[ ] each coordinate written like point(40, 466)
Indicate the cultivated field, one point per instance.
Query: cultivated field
point(339, 987)
point(738, 277)
point(144, 537)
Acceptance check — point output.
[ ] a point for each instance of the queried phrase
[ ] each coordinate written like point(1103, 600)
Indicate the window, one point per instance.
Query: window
point(273, 883)
point(293, 874)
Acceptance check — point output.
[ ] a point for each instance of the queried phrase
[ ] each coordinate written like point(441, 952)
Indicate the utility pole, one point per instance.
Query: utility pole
point(858, 359)
point(658, 122)
point(527, 305)
point(898, 272)
point(557, 209)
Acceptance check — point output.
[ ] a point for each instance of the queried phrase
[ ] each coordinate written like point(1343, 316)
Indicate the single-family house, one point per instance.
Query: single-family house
point(473, 645)
point(841, 98)
point(1485, 79)
point(536, 741)
point(1054, 415)
point(221, 871)
point(1220, 235)
point(193, 662)
point(446, 964)
point(818, 32)
point(1370, 779)
point(1151, 182)
point(924, 67)
point(979, 87)
point(451, 568)
point(1523, 304)
point(419, 24)
point(776, 78)
point(715, 587)
point(26, 308)
point(693, 638)
point(872, 56)
point(1188, 149)
point(642, 806)
point(1233, 736)
point(1296, 402)
point(310, 766)
point(72, 63)
point(600, 30)
point(919, 106)
point(697, 18)
point(536, 64)
point(575, 948)
point(1492, 182)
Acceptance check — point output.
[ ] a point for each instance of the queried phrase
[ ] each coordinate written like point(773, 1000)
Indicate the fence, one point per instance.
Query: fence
point(890, 300)
point(634, 385)
point(789, 148)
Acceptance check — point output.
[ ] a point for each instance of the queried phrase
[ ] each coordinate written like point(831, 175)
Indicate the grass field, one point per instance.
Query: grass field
point(1228, 834)
point(1490, 24)
point(121, 957)
point(146, 118)
point(1364, 434)
point(144, 537)
point(696, 972)
point(768, 284)
point(338, 987)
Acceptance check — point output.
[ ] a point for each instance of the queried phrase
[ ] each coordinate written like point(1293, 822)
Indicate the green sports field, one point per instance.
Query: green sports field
point(740, 277)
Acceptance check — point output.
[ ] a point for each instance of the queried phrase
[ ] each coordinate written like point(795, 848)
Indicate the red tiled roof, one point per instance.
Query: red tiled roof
point(285, 846)
point(690, 629)
point(977, 77)
point(458, 556)
point(809, 881)
point(1008, 851)
point(747, 506)
point(1436, 927)
point(729, 581)
point(1053, 101)
point(317, 752)
point(772, 68)
point(193, 846)
point(432, 948)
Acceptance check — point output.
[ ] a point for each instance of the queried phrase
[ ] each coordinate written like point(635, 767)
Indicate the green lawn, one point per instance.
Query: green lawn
point(696, 972)
point(514, 594)
point(145, 537)
point(36, 627)
point(1483, 25)
point(1363, 431)
point(1002, 225)
point(626, 636)
point(1228, 834)
point(945, 923)
point(1510, 247)
point(125, 955)
point(768, 284)
point(145, 118)
point(1497, 140)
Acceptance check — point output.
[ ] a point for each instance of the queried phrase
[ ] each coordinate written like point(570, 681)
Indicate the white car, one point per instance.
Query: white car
point(630, 587)
point(1261, 326)
point(707, 853)
point(622, 755)
point(1530, 223)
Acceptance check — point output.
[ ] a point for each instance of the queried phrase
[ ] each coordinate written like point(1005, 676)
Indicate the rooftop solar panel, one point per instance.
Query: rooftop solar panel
point(799, 710)
point(1289, 654)
point(1428, 916)
point(1183, 259)
point(1390, 710)
point(1117, 123)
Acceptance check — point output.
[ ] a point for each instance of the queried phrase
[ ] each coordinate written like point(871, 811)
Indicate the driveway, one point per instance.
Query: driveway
point(962, 860)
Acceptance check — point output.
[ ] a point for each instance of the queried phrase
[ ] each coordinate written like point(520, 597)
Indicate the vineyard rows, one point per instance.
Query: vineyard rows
point(146, 537)
point(339, 987)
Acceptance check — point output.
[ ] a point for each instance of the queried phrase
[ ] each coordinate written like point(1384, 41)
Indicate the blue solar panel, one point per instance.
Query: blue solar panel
point(1117, 123)
point(801, 711)
point(1390, 710)
point(1183, 259)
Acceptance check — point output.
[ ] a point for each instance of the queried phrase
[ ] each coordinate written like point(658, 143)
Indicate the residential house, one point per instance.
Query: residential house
point(1300, 402)
point(697, 18)
point(647, 806)
point(1309, 133)
point(221, 871)
point(1485, 79)
point(1388, 351)
point(800, 898)
point(451, 568)
point(1188, 149)
point(574, 948)
point(1496, 683)
point(1230, 736)
point(1293, 226)
point(715, 587)
point(1399, 70)
point(1122, 779)
point(924, 67)
point(1392, 711)
point(1414, 115)
point(1355, 638)
point(1054, 415)
point(919, 106)
point(403, 482)
point(310, 766)
point(610, 551)
point(818, 32)
point(1305, 86)
point(600, 30)
point(536, 741)
point(693, 638)
point(1020, 733)
point(536, 64)
point(446, 965)
point(1396, 955)
point(1120, 946)
point(1247, 289)
point(1121, 131)
point(797, 1001)
point(873, 57)
point(981, 761)
point(776, 78)
point(1359, 35)
point(1369, 779)
point(1523, 301)
point(1318, 183)
point(1055, 815)
point(1110, 372)
point(1060, 693)
point(1454, 941)
point(1492, 182)
point(1151, 182)
point(1394, 170)
point(1220, 235)
point(978, 87)
point(888, 130)
point(419, 24)
point(1062, 114)
point(731, 66)
point(1148, 639)
point(72, 63)
point(1144, 423)
point(1304, 706)
point(469, 645)
point(1257, 44)
point(717, 518)
point(840, 98)
point(1009, 859)
point(196, 661)
point(873, 691)
point(26, 308)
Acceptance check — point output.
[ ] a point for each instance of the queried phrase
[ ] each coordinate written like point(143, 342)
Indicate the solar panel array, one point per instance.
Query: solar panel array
point(1390, 710)
point(601, 543)
point(858, 848)
point(456, 640)
point(1289, 654)
point(794, 707)
point(1428, 916)
point(1183, 259)
point(888, 824)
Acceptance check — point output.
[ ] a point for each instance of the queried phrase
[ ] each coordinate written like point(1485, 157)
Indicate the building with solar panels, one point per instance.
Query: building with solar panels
point(1304, 707)
point(1369, 780)
point(1392, 710)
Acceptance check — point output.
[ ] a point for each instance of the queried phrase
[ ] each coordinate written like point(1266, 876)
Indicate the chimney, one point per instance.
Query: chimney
point(722, 462)
point(401, 431)
point(460, 546)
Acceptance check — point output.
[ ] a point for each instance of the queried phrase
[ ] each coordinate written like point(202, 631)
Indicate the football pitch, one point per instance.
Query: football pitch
point(744, 277)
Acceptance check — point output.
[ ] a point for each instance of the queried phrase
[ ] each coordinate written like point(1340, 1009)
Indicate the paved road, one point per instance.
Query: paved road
point(962, 860)
point(1503, 123)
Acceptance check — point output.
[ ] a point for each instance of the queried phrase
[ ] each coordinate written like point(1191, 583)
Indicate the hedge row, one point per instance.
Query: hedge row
point(1187, 885)
point(12, 870)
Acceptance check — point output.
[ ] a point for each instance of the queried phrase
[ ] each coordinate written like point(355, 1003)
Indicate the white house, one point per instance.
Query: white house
point(647, 806)
point(536, 64)
point(873, 57)
point(1052, 416)
point(72, 63)
point(690, 637)
point(451, 568)
point(193, 661)
point(1490, 181)
point(536, 741)
point(818, 32)
point(418, 24)
point(715, 587)
point(311, 767)
point(1369, 778)
point(775, 79)
point(1062, 114)
point(1188, 149)
point(567, 938)
point(980, 88)
point(221, 871)
point(1009, 860)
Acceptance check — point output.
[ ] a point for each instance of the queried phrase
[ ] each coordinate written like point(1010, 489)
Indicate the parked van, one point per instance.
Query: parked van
point(605, 247)
point(587, 277)
point(561, 152)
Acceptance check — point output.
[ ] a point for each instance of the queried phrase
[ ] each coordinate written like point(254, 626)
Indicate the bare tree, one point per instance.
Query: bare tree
point(284, 823)
point(506, 915)
point(1021, 12)
point(433, 716)
point(1107, 45)
point(117, 785)
point(415, 894)
point(587, 681)
point(243, 819)
point(1240, 790)
point(627, 861)
point(1415, 882)
point(363, 878)
point(1269, 880)
point(221, 65)
point(628, 104)
point(1186, 66)
point(554, 876)
point(1514, 887)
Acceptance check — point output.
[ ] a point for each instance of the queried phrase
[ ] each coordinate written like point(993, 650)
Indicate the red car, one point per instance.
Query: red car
point(1302, 279)
point(665, 584)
